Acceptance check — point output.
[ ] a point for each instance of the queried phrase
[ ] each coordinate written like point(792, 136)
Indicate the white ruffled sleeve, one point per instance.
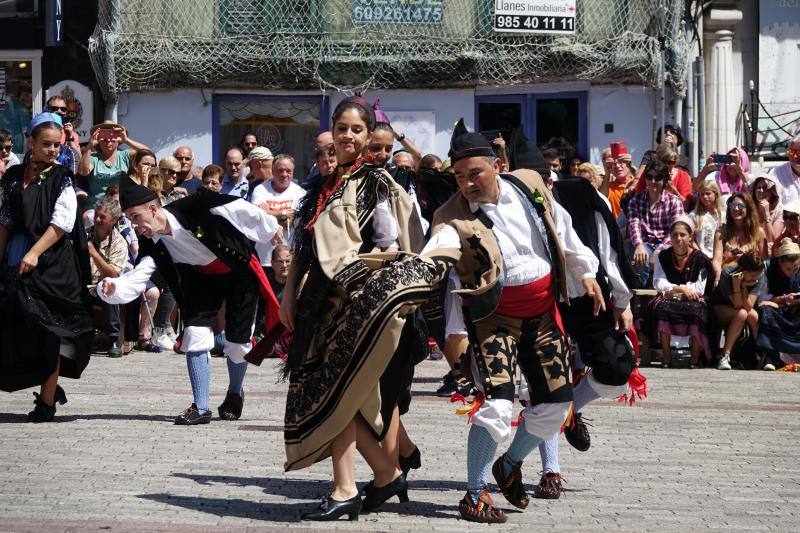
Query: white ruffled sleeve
point(66, 208)
point(130, 284)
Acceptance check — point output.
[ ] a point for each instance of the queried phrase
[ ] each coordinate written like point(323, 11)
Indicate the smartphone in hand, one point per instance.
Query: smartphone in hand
point(723, 159)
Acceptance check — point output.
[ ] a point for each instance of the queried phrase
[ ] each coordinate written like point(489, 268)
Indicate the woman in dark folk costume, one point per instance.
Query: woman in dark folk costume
point(779, 310)
point(348, 319)
point(45, 325)
point(684, 278)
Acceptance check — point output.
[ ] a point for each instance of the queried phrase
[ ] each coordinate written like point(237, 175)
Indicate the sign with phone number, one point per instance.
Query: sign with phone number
point(429, 12)
point(534, 16)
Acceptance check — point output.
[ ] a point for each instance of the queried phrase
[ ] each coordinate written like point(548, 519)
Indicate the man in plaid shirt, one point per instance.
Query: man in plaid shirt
point(650, 214)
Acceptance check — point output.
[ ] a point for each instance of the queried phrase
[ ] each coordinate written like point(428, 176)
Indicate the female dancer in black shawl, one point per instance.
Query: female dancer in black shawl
point(45, 325)
point(345, 337)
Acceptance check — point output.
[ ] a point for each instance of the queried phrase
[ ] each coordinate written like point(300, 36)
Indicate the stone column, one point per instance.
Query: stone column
point(721, 103)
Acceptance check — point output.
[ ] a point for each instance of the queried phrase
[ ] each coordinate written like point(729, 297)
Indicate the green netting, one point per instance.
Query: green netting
point(358, 44)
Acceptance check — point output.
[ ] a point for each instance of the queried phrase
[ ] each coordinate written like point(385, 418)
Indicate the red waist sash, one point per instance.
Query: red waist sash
point(214, 268)
point(530, 300)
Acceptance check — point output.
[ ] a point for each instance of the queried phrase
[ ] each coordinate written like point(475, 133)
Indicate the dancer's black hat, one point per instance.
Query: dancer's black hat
point(132, 194)
point(465, 144)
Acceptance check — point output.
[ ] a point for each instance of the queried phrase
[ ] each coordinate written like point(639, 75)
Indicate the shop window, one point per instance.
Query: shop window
point(284, 125)
point(17, 8)
point(16, 95)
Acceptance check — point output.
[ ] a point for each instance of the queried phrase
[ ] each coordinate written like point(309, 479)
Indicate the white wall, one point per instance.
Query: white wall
point(630, 110)
point(166, 120)
point(448, 104)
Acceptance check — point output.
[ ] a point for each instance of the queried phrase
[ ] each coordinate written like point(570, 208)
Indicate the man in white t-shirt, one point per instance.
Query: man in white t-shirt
point(279, 197)
point(788, 174)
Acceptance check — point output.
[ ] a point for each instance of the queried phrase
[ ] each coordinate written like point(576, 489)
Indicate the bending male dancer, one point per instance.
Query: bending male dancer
point(204, 246)
point(513, 249)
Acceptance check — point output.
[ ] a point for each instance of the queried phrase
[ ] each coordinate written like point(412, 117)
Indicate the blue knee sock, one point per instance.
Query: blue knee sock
point(480, 452)
point(236, 372)
point(549, 452)
point(522, 445)
point(583, 394)
point(200, 376)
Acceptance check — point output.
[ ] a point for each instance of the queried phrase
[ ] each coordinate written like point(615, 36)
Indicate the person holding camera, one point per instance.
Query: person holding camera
point(730, 171)
point(684, 279)
point(102, 162)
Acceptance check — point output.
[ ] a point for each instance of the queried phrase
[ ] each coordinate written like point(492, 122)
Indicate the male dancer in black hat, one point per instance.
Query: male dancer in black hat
point(513, 249)
point(204, 246)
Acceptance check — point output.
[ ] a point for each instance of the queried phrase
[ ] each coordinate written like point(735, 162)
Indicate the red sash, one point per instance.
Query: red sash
point(530, 300)
point(214, 268)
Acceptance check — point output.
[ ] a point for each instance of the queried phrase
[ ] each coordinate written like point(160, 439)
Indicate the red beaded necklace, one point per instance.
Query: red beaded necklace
point(330, 186)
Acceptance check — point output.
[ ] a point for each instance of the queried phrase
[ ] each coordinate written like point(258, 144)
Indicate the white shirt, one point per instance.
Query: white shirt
point(788, 180)
point(184, 247)
point(660, 282)
point(525, 257)
point(265, 196)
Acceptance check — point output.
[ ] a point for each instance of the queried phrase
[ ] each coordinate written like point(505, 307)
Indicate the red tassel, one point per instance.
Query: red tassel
point(637, 385)
point(470, 412)
point(516, 422)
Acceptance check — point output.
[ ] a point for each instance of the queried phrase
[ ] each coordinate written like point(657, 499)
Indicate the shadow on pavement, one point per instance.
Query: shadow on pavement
point(314, 489)
point(17, 418)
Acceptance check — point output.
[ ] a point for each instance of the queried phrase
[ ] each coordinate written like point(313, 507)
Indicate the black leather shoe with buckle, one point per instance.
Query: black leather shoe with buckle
point(577, 433)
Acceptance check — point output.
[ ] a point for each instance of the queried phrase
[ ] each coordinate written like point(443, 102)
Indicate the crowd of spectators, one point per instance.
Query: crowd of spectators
point(720, 248)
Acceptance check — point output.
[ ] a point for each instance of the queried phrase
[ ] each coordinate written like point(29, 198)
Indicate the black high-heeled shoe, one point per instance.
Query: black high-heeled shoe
point(60, 396)
point(331, 509)
point(41, 412)
point(374, 496)
point(412, 461)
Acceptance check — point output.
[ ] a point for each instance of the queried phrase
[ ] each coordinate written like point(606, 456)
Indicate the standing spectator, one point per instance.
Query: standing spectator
point(574, 163)
point(679, 182)
point(259, 161)
point(70, 154)
point(788, 174)
point(734, 301)
point(672, 134)
point(281, 259)
point(323, 140)
point(280, 196)
point(403, 159)
point(731, 177)
point(791, 223)
point(7, 156)
point(707, 217)
point(325, 161)
point(553, 158)
point(684, 279)
point(616, 181)
point(740, 233)
point(248, 141)
point(186, 179)
point(142, 167)
point(234, 183)
point(431, 161)
point(779, 322)
point(767, 197)
point(650, 215)
point(108, 253)
point(102, 162)
point(588, 172)
point(212, 177)
point(168, 169)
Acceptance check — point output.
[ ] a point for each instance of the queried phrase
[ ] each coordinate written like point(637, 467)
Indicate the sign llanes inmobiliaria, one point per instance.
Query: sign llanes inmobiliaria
point(534, 16)
point(80, 105)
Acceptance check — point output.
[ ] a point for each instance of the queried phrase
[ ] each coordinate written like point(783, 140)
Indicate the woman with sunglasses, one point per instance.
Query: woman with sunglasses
point(730, 177)
point(7, 156)
point(679, 181)
point(650, 214)
point(791, 223)
point(740, 233)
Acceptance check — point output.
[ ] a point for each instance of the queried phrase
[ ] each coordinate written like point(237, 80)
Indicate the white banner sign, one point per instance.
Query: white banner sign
point(80, 105)
point(534, 16)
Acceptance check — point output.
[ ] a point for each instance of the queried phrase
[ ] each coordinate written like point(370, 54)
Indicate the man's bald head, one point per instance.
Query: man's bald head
point(323, 139)
point(185, 155)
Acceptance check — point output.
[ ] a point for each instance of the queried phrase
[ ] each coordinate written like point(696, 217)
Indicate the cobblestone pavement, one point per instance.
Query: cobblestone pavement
point(706, 450)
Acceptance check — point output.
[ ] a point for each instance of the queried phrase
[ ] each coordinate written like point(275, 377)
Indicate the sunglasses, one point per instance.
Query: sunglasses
point(653, 177)
point(793, 153)
point(56, 109)
point(168, 171)
point(251, 144)
point(791, 217)
point(7, 147)
point(737, 205)
point(186, 158)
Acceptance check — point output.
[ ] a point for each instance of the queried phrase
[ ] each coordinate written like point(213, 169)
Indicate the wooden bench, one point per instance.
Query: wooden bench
point(641, 299)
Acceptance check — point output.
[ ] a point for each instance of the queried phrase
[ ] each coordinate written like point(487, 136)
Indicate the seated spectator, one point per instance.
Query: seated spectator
point(650, 215)
point(788, 174)
point(679, 181)
point(707, 217)
point(672, 135)
point(684, 278)
point(767, 197)
point(102, 162)
point(168, 169)
point(791, 223)
point(108, 254)
point(186, 179)
point(730, 178)
point(779, 322)
point(212, 177)
point(734, 300)
point(588, 172)
point(739, 234)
